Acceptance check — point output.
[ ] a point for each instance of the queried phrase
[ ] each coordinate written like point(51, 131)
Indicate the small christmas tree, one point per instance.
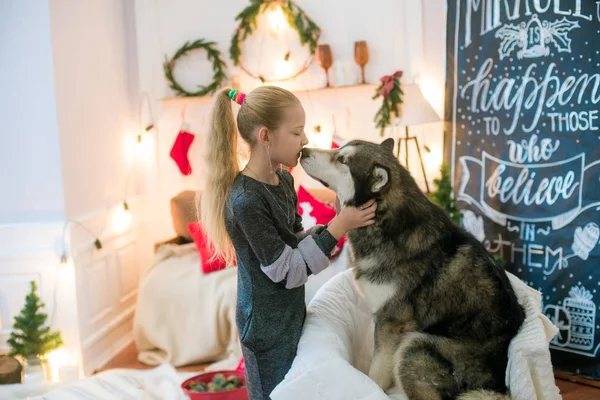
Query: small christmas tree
point(30, 338)
point(443, 194)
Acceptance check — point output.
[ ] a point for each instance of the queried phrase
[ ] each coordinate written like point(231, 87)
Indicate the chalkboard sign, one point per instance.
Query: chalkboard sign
point(523, 130)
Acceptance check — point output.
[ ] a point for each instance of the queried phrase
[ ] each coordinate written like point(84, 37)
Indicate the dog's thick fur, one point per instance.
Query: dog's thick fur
point(444, 310)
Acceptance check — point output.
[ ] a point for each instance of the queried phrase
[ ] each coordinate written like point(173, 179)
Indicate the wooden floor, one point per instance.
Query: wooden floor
point(570, 390)
point(577, 391)
point(128, 359)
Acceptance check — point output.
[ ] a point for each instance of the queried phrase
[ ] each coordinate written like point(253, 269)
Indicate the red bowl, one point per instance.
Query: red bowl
point(235, 394)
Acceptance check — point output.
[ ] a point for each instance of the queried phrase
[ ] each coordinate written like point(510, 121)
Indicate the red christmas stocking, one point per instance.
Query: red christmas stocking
point(179, 151)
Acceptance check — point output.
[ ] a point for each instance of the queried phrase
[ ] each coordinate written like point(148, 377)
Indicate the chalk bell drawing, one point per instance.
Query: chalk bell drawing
point(534, 37)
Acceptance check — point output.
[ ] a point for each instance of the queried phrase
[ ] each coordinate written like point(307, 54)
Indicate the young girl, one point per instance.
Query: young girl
point(251, 217)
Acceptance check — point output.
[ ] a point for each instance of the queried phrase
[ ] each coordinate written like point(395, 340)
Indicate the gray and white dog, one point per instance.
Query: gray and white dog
point(444, 310)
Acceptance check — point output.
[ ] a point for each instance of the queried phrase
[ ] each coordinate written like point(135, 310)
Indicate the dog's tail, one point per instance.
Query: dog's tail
point(483, 395)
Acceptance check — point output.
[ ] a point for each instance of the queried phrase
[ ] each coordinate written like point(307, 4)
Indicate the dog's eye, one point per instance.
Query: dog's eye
point(341, 160)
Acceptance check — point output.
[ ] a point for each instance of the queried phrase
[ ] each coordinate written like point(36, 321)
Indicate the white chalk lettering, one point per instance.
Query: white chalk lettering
point(528, 151)
point(494, 13)
point(526, 190)
point(531, 94)
point(574, 121)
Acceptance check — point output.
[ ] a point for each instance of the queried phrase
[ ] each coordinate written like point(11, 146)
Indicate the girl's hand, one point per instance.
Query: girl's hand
point(350, 218)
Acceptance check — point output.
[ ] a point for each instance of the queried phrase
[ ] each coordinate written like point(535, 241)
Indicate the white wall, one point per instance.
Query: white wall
point(97, 96)
point(406, 34)
point(431, 78)
point(32, 205)
point(163, 27)
point(30, 169)
point(96, 91)
point(69, 112)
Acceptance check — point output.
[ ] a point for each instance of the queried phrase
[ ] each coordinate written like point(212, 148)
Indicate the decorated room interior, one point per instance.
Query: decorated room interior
point(110, 286)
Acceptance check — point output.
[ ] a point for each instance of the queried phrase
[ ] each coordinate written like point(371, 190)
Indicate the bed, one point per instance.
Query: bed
point(184, 316)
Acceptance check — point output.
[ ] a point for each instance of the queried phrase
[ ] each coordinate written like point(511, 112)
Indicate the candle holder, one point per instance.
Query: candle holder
point(361, 56)
point(325, 59)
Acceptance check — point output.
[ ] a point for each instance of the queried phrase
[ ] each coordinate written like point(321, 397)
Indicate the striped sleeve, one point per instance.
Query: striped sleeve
point(279, 261)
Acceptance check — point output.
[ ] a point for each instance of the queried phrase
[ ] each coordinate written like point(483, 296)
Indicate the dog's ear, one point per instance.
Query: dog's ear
point(388, 145)
point(380, 177)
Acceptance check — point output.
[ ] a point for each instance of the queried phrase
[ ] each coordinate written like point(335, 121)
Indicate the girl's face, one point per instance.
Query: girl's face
point(289, 139)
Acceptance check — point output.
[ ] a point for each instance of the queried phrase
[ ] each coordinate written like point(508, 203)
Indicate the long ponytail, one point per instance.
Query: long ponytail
point(264, 106)
point(222, 167)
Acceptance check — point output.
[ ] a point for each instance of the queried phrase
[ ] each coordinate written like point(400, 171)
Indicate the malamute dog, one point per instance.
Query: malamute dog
point(444, 310)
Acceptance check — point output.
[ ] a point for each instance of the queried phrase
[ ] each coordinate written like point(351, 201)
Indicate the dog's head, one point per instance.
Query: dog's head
point(357, 172)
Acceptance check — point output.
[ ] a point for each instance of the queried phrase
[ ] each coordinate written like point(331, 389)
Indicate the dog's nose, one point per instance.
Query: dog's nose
point(305, 153)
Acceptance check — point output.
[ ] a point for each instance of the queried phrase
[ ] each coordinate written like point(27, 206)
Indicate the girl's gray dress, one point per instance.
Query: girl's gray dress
point(274, 257)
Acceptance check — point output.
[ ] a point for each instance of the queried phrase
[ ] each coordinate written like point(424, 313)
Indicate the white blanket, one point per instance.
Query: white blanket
point(160, 383)
point(185, 317)
point(336, 347)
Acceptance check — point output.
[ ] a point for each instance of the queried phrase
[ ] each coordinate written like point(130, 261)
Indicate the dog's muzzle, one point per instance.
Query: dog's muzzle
point(305, 153)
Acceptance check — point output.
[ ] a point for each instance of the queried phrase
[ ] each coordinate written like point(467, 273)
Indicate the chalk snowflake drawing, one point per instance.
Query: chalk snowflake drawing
point(534, 37)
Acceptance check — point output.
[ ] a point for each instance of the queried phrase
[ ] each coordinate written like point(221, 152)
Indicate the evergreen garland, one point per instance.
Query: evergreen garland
point(443, 194)
point(214, 56)
point(392, 94)
point(308, 31)
point(30, 338)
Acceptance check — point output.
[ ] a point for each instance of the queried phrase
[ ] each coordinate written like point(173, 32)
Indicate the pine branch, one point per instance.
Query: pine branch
point(443, 194)
point(213, 55)
point(390, 104)
point(308, 31)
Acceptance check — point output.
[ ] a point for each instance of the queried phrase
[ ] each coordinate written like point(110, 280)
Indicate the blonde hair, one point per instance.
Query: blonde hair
point(264, 106)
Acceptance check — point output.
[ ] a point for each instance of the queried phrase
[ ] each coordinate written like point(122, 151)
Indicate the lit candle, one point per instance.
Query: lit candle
point(63, 365)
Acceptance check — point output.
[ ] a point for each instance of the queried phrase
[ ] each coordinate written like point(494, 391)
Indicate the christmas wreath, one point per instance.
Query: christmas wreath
point(214, 56)
point(392, 93)
point(308, 31)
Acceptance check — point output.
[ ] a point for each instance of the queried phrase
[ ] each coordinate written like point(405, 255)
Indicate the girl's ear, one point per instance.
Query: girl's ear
point(263, 136)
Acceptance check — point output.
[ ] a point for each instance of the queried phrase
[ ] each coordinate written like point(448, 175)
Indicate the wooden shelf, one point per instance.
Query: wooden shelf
point(313, 93)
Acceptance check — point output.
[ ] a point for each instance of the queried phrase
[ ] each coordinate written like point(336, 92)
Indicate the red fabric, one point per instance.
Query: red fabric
point(179, 151)
point(241, 366)
point(204, 249)
point(316, 212)
point(337, 142)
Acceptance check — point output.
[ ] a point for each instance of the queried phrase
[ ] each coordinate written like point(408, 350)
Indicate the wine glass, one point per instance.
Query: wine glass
point(324, 58)
point(361, 56)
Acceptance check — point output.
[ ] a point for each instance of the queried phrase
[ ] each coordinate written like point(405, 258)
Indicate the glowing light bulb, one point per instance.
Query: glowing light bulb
point(322, 137)
point(283, 68)
point(434, 159)
point(122, 218)
point(144, 145)
point(276, 20)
